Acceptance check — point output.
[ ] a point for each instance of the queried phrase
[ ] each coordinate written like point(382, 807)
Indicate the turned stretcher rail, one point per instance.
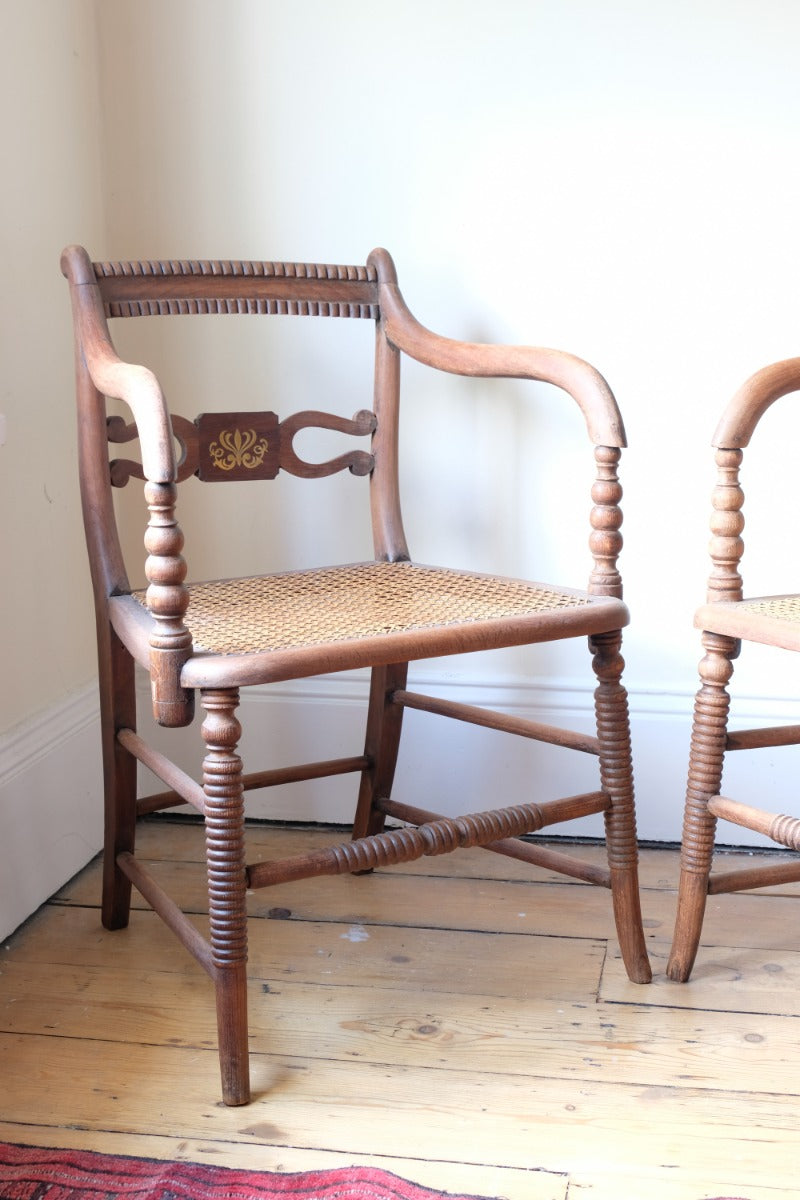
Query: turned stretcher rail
point(184, 788)
point(439, 836)
point(776, 826)
point(537, 856)
point(501, 721)
point(756, 739)
point(746, 878)
point(264, 779)
point(168, 910)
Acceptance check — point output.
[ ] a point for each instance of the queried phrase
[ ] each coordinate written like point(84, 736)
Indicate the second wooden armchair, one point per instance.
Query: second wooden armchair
point(728, 620)
point(215, 637)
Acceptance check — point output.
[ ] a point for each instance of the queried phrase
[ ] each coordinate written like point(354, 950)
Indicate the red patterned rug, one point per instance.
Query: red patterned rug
point(29, 1173)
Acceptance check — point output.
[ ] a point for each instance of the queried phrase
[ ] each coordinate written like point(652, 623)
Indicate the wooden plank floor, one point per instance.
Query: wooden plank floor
point(464, 1022)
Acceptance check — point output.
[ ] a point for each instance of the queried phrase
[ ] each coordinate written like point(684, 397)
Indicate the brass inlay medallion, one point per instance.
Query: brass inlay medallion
point(238, 448)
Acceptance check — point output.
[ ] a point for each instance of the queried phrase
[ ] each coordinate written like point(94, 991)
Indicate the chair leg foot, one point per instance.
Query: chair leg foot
point(234, 1063)
point(688, 925)
point(115, 911)
point(630, 931)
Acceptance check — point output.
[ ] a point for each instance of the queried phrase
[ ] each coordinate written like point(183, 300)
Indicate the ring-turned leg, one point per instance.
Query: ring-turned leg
point(222, 784)
point(709, 734)
point(616, 775)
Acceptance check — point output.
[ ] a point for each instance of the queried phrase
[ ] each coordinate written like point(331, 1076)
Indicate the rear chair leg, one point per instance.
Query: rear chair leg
point(222, 784)
point(616, 775)
point(118, 711)
point(709, 735)
point(381, 746)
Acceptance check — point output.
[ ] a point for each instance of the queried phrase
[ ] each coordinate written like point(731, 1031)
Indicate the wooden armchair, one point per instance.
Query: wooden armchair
point(217, 637)
point(727, 620)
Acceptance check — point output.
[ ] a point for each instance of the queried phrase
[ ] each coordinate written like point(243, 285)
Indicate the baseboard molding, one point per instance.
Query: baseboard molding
point(50, 803)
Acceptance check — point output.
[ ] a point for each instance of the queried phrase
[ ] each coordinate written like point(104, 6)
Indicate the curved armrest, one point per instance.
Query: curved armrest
point(752, 400)
point(136, 385)
point(586, 385)
point(732, 434)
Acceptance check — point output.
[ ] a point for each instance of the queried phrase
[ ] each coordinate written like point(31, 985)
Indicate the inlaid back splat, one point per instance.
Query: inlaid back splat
point(236, 446)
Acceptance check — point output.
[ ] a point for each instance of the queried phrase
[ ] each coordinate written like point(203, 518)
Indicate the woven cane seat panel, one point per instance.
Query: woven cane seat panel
point(333, 604)
point(777, 608)
point(772, 620)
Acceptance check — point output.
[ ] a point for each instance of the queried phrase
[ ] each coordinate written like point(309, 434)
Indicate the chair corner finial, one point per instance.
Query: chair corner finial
point(382, 263)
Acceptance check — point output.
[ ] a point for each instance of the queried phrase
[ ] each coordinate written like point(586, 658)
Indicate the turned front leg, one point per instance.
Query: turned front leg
point(616, 776)
point(222, 784)
point(709, 736)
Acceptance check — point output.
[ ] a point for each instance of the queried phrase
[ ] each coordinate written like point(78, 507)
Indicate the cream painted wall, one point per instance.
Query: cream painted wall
point(617, 179)
point(51, 193)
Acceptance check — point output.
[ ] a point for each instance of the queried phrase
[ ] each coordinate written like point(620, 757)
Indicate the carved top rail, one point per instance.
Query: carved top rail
point(151, 288)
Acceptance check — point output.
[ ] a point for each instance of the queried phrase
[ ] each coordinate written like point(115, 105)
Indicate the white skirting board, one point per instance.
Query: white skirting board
point(51, 803)
point(51, 786)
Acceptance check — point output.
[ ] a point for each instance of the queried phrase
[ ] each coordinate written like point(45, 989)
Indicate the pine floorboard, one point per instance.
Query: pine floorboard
point(464, 1022)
